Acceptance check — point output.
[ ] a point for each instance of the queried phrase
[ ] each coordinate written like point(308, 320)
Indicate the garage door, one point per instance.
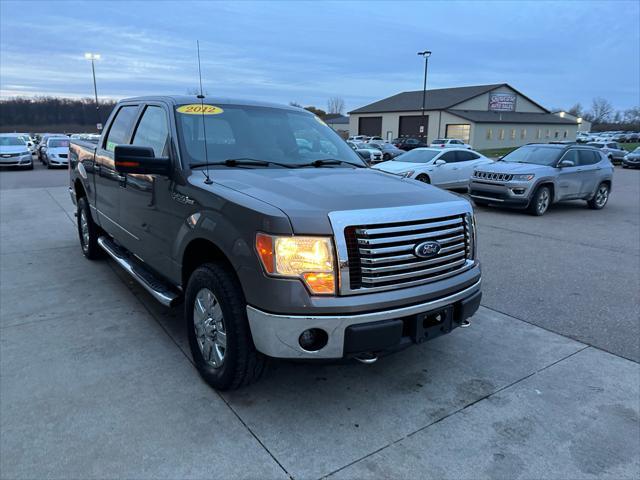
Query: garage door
point(371, 126)
point(410, 125)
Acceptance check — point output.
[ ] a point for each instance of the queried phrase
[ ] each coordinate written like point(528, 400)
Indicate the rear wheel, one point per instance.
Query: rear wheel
point(88, 231)
point(601, 197)
point(423, 178)
point(218, 329)
point(540, 201)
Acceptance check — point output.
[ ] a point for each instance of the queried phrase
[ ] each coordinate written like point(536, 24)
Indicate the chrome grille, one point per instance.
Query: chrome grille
point(382, 256)
point(501, 177)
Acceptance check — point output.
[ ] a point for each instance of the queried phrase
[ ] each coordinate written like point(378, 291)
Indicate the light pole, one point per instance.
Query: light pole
point(426, 54)
point(93, 57)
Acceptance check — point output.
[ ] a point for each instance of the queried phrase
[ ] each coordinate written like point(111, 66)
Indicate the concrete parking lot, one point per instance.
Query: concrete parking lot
point(96, 379)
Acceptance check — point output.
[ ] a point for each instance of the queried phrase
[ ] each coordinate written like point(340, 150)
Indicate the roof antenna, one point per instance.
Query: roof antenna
point(204, 128)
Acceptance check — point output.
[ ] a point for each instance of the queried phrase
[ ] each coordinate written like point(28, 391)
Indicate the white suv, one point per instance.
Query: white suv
point(449, 143)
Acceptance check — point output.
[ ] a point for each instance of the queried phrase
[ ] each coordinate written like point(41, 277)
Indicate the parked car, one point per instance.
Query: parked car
point(14, 151)
point(612, 150)
point(274, 250)
point(375, 139)
point(536, 175)
point(449, 143)
point(370, 153)
point(43, 143)
point(446, 168)
point(56, 152)
point(632, 159)
point(633, 137)
point(358, 138)
point(388, 150)
point(407, 144)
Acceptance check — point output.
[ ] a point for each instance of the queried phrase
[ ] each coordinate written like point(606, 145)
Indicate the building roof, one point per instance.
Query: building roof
point(482, 116)
point(336, 118)
point(438, 99)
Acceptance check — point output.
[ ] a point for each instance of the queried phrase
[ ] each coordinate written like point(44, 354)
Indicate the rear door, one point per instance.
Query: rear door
point(466, 163)
point(107, 180)
point(590, 168)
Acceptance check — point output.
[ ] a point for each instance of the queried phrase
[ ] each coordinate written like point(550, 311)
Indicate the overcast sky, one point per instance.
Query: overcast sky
point(557, 53)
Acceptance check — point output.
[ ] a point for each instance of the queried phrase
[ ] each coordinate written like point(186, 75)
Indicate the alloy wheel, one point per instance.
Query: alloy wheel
point(543, 201)
point(602, 195)
point(208, 323)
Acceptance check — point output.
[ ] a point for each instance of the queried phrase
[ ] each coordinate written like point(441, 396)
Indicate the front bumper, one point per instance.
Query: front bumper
point(631, 162)
point(513, 193)
point(17, 161)
point(57, 161)
point(277, 335)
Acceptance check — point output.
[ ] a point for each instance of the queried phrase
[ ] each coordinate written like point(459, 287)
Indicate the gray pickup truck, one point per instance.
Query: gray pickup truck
point(273, 232)
point(535, 176)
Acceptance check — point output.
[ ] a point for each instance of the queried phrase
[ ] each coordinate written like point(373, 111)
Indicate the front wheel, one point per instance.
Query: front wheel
point(601, 197)
point(218, 329)
point(540, 201)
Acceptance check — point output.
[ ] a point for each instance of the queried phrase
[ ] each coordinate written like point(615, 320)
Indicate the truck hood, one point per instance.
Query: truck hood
point(504, 167)
point(395, 166)
point(307, 195)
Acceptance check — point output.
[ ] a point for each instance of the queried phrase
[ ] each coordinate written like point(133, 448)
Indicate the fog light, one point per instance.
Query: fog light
point(313, 339)
point(518, 191)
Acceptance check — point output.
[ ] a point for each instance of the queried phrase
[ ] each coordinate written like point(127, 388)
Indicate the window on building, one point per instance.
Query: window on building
point(523, 133)
point(539, 136)
point(489, 133)
point(513, 134)
point(501, 136)
point(557, 134)
point(461, 132)
point(566, 133)
point(548, 133)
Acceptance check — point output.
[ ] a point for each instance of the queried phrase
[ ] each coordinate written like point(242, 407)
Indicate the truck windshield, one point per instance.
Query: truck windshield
point(539, 155)
point(270, 134)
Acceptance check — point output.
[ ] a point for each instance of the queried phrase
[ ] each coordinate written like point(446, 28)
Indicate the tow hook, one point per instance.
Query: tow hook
point(367, 358)
point(465, 324)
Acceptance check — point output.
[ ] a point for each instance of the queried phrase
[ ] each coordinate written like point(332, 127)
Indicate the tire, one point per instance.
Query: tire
point(423, 178)
point(214, 304)
point(540, 201)
point(89, 237)
point(600, 198)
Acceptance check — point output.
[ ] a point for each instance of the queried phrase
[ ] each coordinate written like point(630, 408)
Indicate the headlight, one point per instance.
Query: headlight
point(525, 177)
point(310, 259)
point(406, 174)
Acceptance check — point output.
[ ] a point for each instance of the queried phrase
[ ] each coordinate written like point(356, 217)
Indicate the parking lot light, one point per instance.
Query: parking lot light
point(426, 54)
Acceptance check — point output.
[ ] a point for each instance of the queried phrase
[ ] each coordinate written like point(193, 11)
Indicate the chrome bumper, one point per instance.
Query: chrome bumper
point(277, 335)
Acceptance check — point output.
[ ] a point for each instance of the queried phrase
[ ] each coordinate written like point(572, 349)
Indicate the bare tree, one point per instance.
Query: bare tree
point(601, 110)
point(632, 115)
point(335, 105)
point(576, 110)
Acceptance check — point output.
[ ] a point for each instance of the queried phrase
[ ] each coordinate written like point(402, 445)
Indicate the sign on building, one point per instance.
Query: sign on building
point(502, 102)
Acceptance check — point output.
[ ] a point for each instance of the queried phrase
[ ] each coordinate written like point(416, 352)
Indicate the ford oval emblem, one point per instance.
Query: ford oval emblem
point(427, 249)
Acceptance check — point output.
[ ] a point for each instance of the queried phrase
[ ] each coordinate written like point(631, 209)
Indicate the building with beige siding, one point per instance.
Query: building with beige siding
point(485, 116)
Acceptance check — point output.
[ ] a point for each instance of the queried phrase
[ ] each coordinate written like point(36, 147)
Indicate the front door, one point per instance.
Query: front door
point(569, 178)
point(107, 180)
point(148, 207)
point(445, 174)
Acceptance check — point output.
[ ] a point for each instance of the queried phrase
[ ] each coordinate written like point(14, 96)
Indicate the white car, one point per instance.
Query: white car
point(449, 143)
point(56, 152)
point(446, 168)
point(375, 155)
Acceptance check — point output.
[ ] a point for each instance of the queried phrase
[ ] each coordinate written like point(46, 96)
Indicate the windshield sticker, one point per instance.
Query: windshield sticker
point(197, 109)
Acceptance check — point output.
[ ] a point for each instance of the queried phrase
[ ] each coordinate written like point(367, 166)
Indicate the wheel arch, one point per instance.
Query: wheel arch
point(201, 250)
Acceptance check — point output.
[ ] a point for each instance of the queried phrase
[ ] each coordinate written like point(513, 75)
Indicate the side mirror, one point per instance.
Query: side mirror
point(439, 162)
point(134, 159)
point(566, 163)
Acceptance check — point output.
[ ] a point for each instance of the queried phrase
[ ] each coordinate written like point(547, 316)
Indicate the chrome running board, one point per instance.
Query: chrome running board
point(156, 287)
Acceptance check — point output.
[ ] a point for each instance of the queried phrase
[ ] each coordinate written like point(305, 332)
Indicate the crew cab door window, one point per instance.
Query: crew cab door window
point(121, 127)
point(153, 130)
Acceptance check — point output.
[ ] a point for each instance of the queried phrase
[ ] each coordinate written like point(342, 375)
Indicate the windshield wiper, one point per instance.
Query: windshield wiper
point(328, 161)
point(234, 162)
